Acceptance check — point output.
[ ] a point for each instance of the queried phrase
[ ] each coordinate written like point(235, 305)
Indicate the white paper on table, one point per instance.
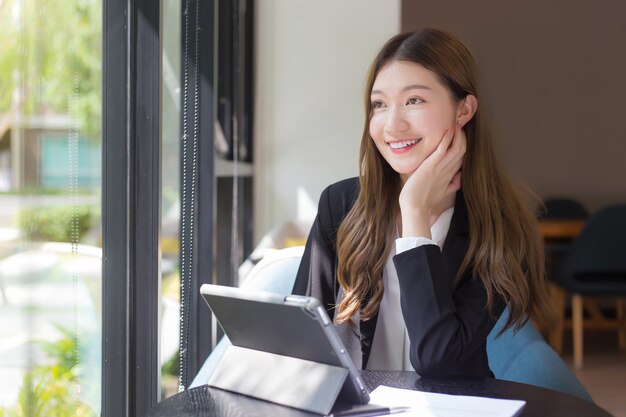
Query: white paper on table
point(427, 404)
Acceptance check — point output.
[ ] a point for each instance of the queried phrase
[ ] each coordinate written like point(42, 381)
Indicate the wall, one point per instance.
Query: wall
point(554, 76)
point(310, 66)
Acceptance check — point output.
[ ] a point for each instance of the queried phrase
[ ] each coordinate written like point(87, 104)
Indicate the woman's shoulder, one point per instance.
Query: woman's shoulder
point(348, 188)
point(341, 193)
point(339, 197)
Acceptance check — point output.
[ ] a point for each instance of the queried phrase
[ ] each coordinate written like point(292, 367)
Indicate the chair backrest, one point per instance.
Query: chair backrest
point(597, 257)
point(563, 208)
point(524, 356)
point(275, 272)
point(521, 357)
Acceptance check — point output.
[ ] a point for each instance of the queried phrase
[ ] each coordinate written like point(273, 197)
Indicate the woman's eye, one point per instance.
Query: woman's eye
point(377, 104)
point(414, 100)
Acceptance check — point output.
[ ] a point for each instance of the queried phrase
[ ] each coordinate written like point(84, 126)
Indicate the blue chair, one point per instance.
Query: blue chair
point(595, 265)
point(524, 356)
point(521, 356)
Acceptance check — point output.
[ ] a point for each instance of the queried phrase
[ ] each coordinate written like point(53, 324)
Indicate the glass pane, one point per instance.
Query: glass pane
point(170, 296)
point(50, 195)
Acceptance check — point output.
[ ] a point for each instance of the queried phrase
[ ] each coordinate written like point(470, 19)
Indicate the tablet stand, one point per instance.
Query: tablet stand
point(284, 380)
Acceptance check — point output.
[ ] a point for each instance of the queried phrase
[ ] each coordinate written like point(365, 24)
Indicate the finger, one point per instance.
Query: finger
point(456, 153)
point(453, 157)
point(448, 138)
point(445, 142)
point(456, 179)
point(439, 153)
point(460, 139)
point(455, 183)
point(453, 171)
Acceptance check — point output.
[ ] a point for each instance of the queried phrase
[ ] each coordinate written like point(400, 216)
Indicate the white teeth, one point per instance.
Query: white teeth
point(403, 144)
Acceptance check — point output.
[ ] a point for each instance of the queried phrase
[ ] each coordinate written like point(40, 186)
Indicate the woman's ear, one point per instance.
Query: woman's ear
point(467, 109)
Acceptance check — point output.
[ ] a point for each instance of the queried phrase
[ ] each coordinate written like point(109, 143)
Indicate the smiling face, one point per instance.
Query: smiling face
point(411, 110)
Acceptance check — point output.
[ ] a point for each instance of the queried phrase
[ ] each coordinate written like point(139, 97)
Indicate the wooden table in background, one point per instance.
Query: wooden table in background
point(560, 229)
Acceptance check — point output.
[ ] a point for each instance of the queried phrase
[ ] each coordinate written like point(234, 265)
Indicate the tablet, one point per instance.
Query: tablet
point(292, 325)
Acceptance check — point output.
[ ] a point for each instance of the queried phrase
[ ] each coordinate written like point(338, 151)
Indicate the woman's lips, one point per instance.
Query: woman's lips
point(399, 147)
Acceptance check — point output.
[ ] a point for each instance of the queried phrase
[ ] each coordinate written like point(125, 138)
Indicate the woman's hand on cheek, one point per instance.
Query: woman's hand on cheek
point(434, 181)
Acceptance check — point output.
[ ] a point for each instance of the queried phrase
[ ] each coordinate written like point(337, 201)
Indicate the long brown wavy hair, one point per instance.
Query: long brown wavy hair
point(505, 248)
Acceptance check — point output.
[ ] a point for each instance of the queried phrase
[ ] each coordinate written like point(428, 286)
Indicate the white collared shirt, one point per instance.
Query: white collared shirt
point(390, 347)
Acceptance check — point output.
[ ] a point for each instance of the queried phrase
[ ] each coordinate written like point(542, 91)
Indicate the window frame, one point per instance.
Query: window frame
point(131, 206)
point(202, 115)
point(131, 191)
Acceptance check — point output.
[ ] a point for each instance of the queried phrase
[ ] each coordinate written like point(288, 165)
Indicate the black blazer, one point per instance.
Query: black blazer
point(447, 325)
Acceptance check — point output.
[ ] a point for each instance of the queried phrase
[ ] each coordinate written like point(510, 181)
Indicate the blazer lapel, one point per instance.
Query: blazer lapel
point(456, 244)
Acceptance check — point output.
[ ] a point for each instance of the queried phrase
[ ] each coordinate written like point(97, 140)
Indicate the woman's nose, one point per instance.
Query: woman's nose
point(396, 120)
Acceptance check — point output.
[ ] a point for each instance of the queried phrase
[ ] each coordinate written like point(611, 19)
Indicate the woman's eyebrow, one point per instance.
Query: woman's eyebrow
point(407, 88)
point(416, 87)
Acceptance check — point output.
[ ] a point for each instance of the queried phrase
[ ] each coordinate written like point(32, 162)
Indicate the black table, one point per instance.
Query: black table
point(211, 402)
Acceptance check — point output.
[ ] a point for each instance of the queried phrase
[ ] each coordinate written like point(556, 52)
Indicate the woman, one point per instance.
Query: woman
point(417, 257)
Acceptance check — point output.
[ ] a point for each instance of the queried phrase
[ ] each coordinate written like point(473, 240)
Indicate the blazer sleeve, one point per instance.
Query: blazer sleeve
point(447, 327)
point(316, 274)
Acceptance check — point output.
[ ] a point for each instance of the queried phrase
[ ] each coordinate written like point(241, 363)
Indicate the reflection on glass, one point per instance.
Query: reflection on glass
point(50, 229)
point(170, 297)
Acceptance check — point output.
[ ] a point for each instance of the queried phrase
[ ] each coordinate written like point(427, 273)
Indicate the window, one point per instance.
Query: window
point(50, 197)
point(91, 203)
point(207, 154)
point(169, 324)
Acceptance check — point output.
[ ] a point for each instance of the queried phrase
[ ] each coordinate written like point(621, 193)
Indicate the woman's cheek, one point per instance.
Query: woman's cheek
point(434, 128)
point(375, 127)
